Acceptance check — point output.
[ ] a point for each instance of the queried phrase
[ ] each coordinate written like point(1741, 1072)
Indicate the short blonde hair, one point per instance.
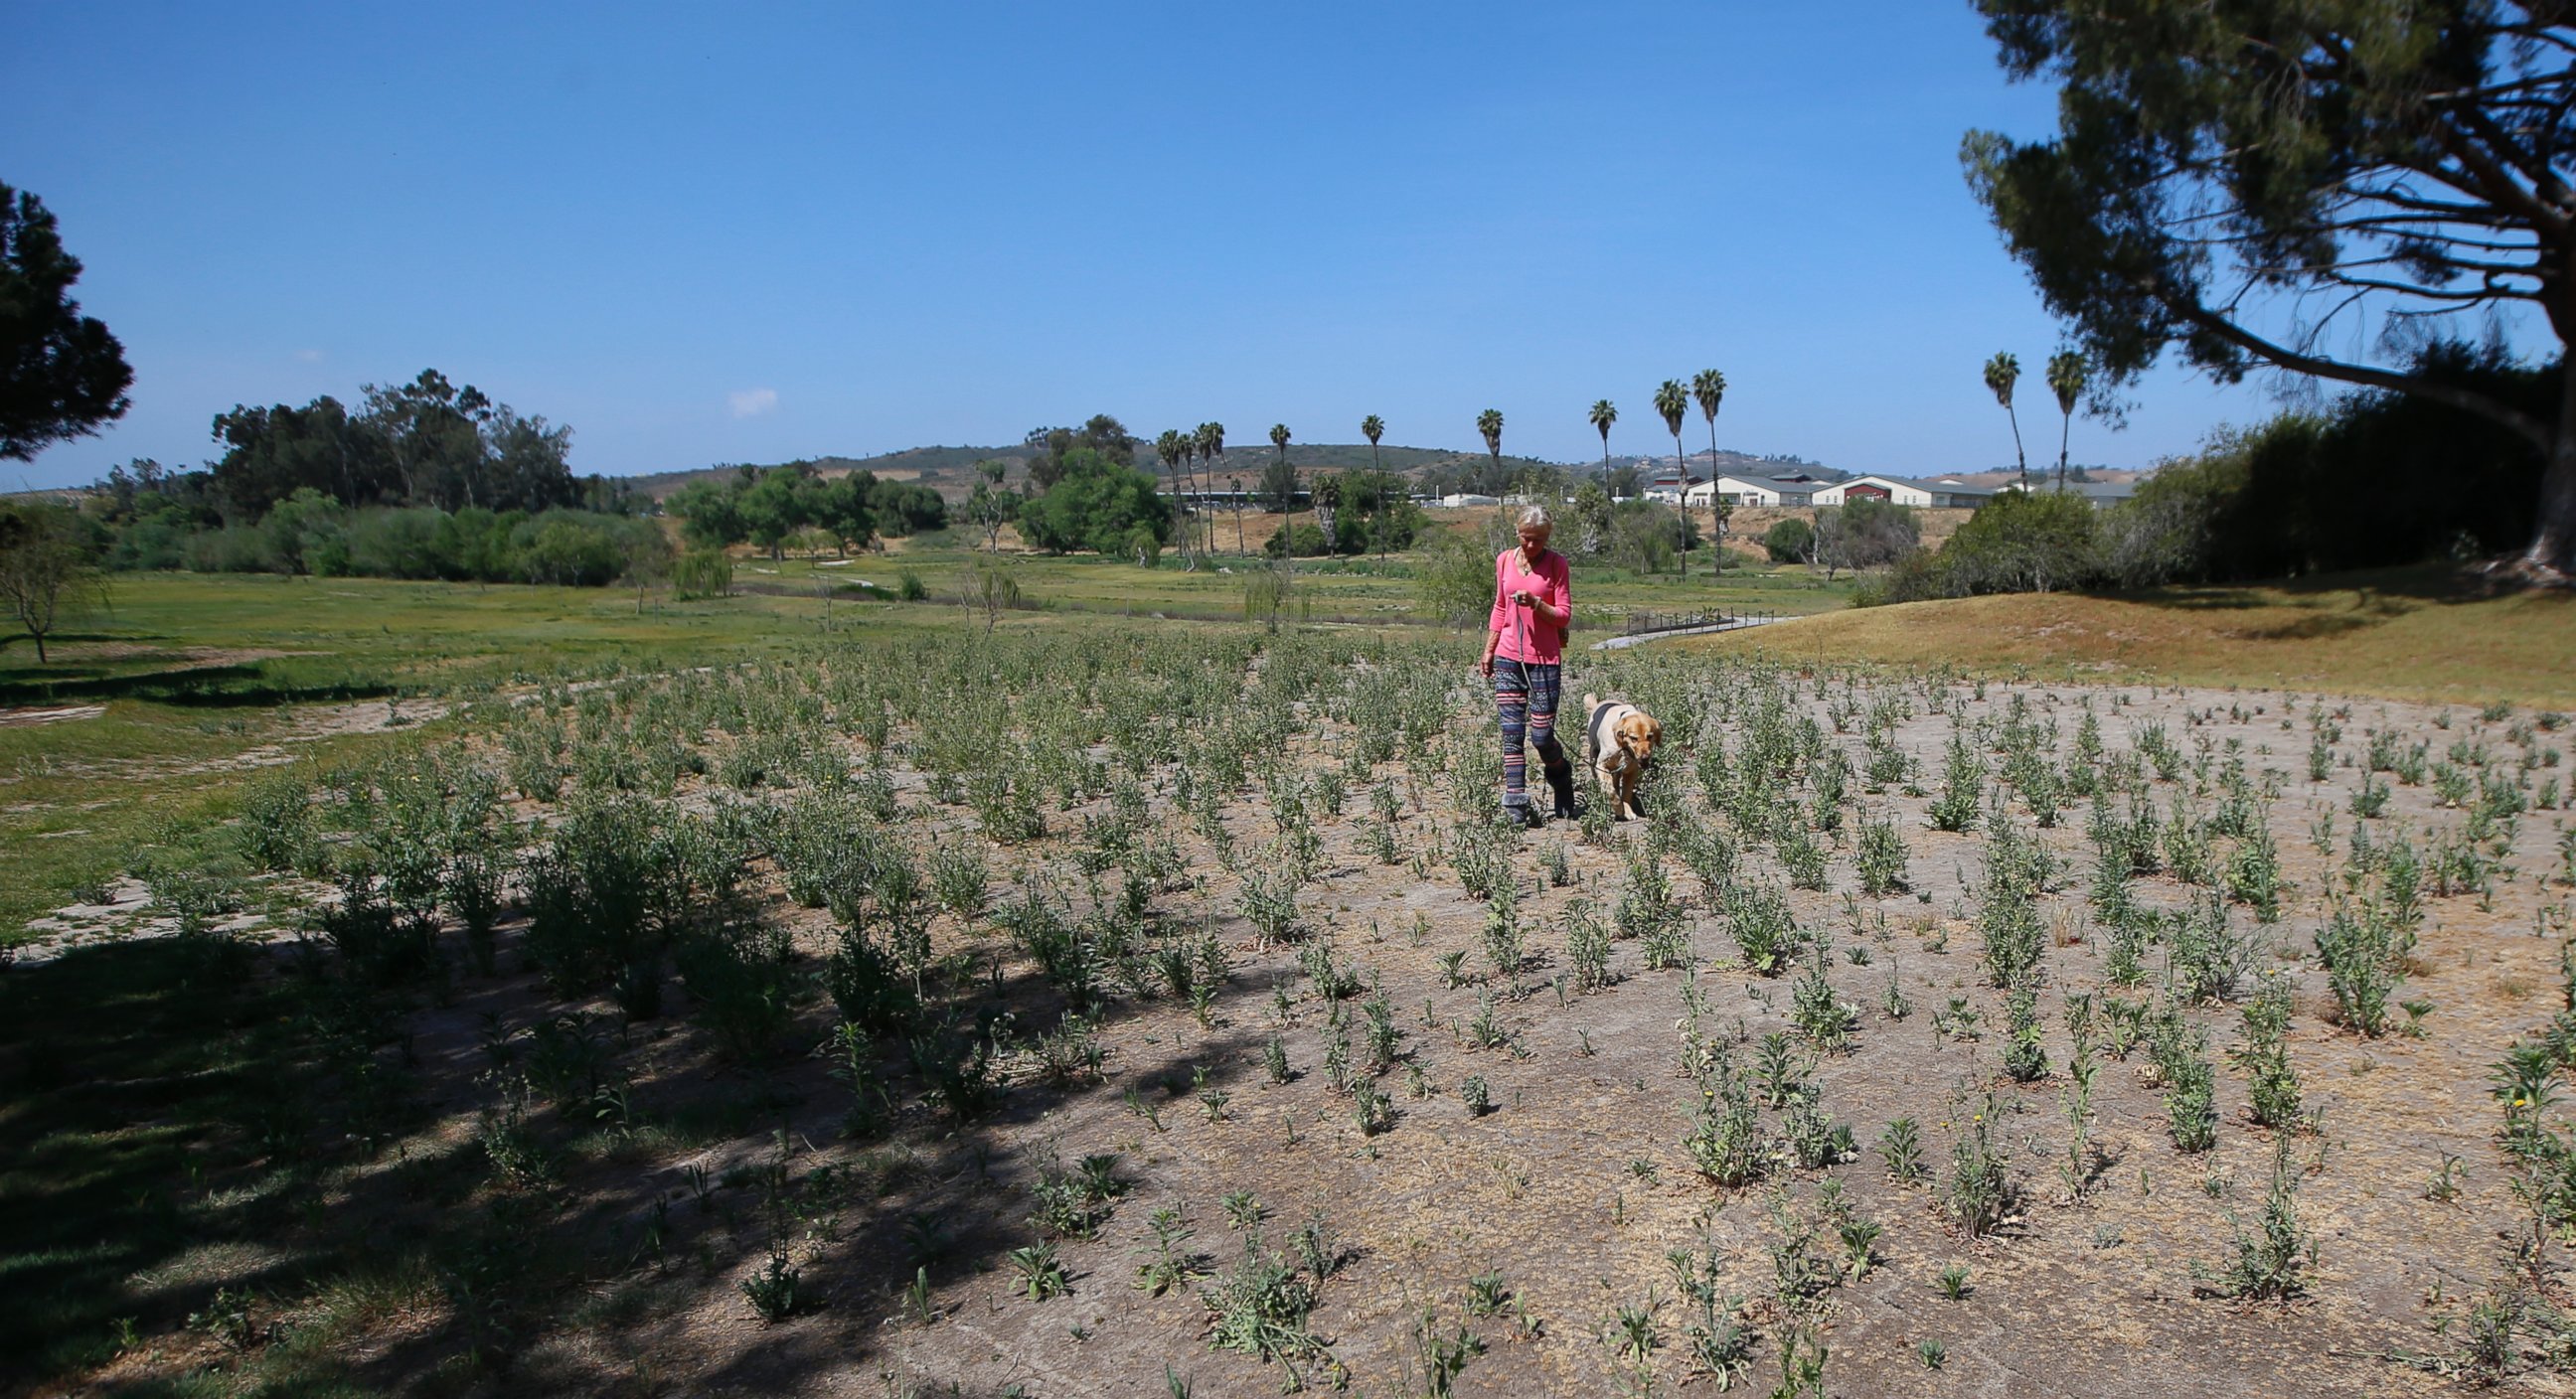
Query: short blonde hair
point(1536, 518)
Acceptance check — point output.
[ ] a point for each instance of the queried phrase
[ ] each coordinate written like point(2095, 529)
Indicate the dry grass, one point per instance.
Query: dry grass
point(2416, 635)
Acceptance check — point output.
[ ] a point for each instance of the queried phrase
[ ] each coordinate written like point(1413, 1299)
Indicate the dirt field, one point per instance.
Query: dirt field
point(1575, 1195)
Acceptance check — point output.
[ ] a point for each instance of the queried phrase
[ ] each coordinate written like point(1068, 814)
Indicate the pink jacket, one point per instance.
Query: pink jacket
point(1530, 639)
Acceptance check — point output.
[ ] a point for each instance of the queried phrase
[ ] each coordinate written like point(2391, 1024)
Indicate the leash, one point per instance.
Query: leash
point(1520, 634)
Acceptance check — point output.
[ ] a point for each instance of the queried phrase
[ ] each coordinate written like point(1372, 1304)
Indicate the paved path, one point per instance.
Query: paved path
point(1622, 643)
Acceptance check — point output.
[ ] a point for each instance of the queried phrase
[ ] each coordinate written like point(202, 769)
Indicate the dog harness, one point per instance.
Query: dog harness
point(1605, 748)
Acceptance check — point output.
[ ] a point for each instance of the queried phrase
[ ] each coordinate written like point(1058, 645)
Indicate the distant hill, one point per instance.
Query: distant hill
point(950, 470)
point(1729, 462)
point(941, 468)
point(1249, 460)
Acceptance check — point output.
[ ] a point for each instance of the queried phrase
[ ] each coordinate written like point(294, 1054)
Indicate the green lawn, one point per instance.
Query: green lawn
point(1357, 590)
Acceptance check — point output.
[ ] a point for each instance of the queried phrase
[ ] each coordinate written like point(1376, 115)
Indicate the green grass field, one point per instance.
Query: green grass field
point(1355, 590)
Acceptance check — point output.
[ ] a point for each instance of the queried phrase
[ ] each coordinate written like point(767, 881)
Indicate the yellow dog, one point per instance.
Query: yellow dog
point(1623, 739)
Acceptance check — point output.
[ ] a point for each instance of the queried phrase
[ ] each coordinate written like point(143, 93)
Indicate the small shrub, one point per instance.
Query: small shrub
point(1478, 1098)
point(1962, 789)
point(1725, 1141)
point(1882, 857)
point(1901, 1147)
point(2364, 959)
point(1825, 1021)
point(2025, 1059)
point(1978, 1195)
point(773, 1290)
point(1766, 932)
point(1260, 1308)
point(2272, 1256)
point(1040, 1274)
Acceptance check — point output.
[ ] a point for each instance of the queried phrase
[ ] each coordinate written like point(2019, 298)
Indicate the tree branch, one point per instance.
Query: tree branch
point(2189, 309)
point(2491, 178)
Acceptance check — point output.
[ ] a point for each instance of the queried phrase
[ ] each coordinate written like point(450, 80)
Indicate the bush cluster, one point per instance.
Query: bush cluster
point(308, 533)
point(2374, 480)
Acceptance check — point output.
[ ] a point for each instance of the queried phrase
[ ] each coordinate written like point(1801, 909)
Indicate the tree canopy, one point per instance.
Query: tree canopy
point(45, 568)
point(769, 507)
point(2262, 181)
point(62, 375)
point(427, 442)
point(1097, 503)
point(1102, 433)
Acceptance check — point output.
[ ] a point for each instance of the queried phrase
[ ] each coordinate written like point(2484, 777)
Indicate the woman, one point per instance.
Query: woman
point(1524, 657)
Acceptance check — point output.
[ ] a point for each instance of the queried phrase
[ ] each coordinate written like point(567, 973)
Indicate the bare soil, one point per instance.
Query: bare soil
point(1576, 1186)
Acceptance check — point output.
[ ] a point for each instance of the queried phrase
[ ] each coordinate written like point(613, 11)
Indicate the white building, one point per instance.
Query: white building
point(1670, 487)
point(1744, 490)
point(1874, 487)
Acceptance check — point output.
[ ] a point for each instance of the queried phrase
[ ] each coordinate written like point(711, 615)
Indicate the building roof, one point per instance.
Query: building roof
point(2090, 490)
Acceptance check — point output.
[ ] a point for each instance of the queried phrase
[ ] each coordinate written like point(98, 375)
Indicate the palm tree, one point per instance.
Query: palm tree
point(1603, 415)
point(1373, 427)
point(1212, 442)
point(1288, 498)
point(2066, 375)
point(1190, 455)
point(1708, 388)
point(2002, 372)
point(1490, 424)
point(1673, 402)
point(1171, 449)
point(1328, 500)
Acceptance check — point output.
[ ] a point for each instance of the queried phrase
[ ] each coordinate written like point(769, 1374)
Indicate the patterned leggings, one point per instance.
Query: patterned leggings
point(1526, 694)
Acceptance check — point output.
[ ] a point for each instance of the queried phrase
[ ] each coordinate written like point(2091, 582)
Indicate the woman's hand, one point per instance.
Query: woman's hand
point(1485, 665)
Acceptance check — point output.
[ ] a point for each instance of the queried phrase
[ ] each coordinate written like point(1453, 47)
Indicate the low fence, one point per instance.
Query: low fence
point(1643, 623)
point(1654, 626)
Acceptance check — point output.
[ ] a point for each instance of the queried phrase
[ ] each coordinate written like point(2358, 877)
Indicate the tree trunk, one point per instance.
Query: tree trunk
point(2553, 544)
point(2020, 457)
point(2063, 435)
point(1377, 522)
point(1683, 472)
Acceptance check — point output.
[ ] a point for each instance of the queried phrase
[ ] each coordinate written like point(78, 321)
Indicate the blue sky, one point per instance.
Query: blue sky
point(777, 231)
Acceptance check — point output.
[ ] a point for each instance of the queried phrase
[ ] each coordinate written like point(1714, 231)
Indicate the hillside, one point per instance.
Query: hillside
point(939, 467)
point(1246, 463)
point(1729, 461)
point(950, 470)
point(2426, 635)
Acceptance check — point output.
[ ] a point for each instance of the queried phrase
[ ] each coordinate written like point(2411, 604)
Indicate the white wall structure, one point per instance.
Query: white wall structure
point(2103, 494)
point(1884, 487)
point(1669, 488)
point(1738, 490)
